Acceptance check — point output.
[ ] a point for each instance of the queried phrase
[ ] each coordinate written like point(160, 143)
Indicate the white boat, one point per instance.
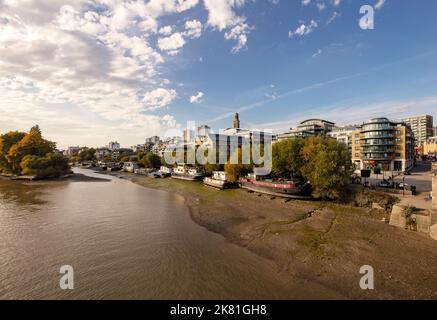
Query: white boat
point(165, 171)
point(142, 171)
point(196, 173)
point(219, 180)
point(130, 167)
point(190, 174)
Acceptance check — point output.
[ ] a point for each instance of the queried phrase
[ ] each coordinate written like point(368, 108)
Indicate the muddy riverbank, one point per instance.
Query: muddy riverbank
point(320, 242)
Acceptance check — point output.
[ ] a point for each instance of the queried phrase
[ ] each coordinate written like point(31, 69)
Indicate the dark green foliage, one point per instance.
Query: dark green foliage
point(30, 154)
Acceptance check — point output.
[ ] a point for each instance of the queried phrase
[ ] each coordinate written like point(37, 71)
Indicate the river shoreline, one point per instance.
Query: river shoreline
point(322, 243)
point(318, 247)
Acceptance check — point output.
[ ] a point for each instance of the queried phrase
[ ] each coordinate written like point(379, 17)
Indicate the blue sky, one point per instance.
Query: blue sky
point(394, 62)
point(123, 70)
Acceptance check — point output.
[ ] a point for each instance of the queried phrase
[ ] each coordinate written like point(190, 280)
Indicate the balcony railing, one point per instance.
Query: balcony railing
point(379, 144)
point(385, 136)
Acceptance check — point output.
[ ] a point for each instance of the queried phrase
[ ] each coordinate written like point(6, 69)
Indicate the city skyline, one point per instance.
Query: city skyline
point(89, 72)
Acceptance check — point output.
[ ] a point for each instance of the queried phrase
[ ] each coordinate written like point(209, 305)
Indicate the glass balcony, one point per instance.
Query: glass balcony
point(388, 151)
point(375, 157)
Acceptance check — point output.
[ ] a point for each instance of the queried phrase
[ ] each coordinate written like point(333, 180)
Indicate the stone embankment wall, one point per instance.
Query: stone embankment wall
point(433, 217)
point(426, 224)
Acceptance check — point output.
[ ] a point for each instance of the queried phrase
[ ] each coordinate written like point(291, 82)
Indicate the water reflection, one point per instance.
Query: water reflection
point(123, 241)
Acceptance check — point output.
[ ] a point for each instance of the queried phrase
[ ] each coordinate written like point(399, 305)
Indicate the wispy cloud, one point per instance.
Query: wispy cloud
point(319, 85)
point(350, 113)
point(379, 4)
point(284, 95)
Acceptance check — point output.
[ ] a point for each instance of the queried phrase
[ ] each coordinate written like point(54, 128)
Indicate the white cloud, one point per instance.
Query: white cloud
point(61, 60)
point(166, 31)
point(193, 28)
point(336, 2)
point(221, 16)
point(306, 2)
point(172, 44)
point(159, 98)
point(379, 4)
point(334, 16)
point(239, 33)
point(304, 29)
point(317, 54)
point(321, 6)
point(197, 98)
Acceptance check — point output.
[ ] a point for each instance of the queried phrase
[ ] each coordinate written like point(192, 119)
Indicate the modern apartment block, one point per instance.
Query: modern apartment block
point(113, 145)
point(430, 147)
point(308, 128)
point(385, 144)
point(422, 127)
point(72, 151)
point(434, 130)
point(344, 135)
point(153, 140)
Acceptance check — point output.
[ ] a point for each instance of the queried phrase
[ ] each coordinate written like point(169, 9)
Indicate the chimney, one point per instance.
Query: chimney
point(236, 121)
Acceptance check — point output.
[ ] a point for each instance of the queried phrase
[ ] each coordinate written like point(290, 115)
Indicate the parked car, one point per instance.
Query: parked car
point(385, 184)
point(403, 185)
point(155, 175)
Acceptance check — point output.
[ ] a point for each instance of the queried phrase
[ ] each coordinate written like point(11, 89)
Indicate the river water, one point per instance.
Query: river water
point(123, 241)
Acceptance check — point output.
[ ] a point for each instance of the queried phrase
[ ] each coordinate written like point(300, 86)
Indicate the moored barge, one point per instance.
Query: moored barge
point(189, 174)
point(219, 180)
point(292, 188)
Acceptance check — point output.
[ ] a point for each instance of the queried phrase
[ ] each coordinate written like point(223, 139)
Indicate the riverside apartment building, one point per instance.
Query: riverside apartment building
point(383, 143)
point(422, 127)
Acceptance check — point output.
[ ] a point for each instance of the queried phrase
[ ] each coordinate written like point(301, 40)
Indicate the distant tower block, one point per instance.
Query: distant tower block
point(236, 121)
point(433, 218)
point(434, 196)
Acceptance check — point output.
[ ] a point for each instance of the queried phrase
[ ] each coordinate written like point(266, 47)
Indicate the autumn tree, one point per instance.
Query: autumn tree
point(29, 153)
point(87, 154)
point(31, 144)
point(151, 160)
point(52, 165)
point(287, 158)
point(7, 141)
point(327, 165)
point(236, 170)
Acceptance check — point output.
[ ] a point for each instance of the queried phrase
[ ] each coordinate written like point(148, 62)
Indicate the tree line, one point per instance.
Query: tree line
point(29, 153)
point(321, 160)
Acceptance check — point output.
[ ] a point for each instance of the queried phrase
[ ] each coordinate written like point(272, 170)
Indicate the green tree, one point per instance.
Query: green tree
point(235, 171)
point(210, 167)
point(87, 155)
point(32, 144)
point(151, 160)
point(52, 165)
point(287, 157)
point(326, 165)
point(8, 140)
point(30, 154)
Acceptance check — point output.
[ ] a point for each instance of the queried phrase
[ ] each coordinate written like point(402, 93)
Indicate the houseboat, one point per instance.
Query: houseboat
point(290, 188)
point(142, 171)
point(218, 180)
point(190, 174)
point(165, 171)
point(130, 167)
point(112, 166)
